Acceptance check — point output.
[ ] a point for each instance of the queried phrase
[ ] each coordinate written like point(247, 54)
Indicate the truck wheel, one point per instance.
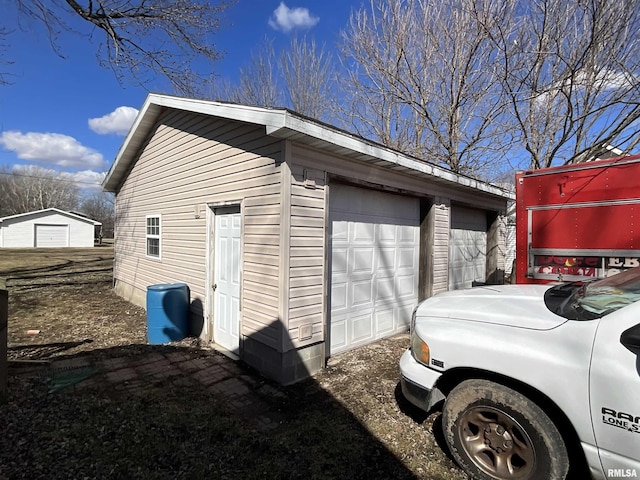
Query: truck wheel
point(494, 432)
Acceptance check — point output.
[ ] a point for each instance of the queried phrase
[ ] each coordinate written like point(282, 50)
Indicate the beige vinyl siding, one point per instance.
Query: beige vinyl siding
point(190, 161)
point(261, 267)
point(307, 256)
point(441, 234)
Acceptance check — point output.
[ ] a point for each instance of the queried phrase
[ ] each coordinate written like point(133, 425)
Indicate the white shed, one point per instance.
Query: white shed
point(50, 228)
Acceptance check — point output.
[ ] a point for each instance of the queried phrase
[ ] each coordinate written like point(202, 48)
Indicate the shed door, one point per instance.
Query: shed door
point(52, 235)
point(467, 247)
point(226, 300)
point(374, 265)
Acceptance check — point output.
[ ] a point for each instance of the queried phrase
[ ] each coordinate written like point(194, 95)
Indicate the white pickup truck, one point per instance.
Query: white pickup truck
point(537, 381)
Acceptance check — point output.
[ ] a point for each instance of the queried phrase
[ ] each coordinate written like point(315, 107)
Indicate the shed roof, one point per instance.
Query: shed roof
point(51, 210)
point(285, 124)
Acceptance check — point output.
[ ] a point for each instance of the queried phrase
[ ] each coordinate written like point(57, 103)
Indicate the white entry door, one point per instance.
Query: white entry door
point(226, 278)
point(374, 265)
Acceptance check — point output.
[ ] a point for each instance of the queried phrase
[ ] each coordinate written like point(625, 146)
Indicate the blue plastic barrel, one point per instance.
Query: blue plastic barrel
point(167, 312)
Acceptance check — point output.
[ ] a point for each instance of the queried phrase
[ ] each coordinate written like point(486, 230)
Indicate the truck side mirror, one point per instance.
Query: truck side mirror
point(630, 338)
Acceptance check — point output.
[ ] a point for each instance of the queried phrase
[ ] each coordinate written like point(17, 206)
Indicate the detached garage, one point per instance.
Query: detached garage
point(298, 240)
point(50, 228)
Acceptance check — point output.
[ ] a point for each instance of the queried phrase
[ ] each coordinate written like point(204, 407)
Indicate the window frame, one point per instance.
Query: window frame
point(151, 236)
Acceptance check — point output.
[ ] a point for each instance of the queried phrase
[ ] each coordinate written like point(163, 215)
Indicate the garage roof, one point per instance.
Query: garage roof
point(285, 124)
point(52, 210)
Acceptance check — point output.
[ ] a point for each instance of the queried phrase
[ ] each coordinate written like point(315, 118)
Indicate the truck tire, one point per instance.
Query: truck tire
point(495, 432)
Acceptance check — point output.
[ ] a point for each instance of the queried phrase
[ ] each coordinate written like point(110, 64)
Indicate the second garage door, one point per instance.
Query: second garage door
point(375, 240)
point(52, 235)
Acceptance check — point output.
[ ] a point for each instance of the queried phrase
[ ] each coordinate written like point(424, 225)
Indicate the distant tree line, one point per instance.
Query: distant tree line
point(34, 188)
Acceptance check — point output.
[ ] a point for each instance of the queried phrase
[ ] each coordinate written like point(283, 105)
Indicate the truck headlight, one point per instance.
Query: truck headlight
point(419, 349)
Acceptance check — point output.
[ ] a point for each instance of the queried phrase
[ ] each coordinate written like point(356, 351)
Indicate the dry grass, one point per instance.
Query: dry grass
point(65, 295)
point(349, 421)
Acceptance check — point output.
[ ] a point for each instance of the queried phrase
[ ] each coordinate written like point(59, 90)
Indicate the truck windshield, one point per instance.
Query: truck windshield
point(589, 300)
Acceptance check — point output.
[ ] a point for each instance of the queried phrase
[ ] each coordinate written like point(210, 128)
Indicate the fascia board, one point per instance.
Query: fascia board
point(342, 139)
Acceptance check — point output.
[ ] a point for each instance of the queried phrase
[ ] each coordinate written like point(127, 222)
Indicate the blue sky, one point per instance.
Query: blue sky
point(70, 115)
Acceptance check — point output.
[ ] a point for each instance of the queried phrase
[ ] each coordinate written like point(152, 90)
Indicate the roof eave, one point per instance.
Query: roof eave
point(282, 123)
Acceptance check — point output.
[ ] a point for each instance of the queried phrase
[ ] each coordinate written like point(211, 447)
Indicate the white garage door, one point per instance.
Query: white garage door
point(52, 235)
point(467, 247)
point(375, 240)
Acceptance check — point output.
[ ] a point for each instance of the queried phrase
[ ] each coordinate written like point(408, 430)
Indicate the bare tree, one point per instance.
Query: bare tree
point(300, 77)
point(34, 188)
point(308, 77)
point(100, 206)
point(258, 82)
point(420, 79)
point(571, 70)
point(137, 38)
point(4, 61)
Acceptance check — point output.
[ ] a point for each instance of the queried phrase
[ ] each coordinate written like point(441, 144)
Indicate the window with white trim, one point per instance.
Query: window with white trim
point(153, 236)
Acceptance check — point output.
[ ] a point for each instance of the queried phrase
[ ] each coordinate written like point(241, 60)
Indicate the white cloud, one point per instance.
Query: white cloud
point(51, 148)
point(86, 179)
point(601, 83)
point(119, 121)
point(286, 19)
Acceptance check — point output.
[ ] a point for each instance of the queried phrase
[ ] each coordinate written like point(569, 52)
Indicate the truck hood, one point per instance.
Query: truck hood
point(519, 306)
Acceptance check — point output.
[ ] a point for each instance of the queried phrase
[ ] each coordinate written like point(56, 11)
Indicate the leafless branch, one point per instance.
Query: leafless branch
point(137, 39)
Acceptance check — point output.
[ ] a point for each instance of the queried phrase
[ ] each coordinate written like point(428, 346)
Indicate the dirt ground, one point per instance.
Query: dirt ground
point(64, 295)
point(348, 421)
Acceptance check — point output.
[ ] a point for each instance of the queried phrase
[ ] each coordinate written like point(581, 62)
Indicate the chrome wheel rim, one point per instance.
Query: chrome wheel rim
point(496, 443)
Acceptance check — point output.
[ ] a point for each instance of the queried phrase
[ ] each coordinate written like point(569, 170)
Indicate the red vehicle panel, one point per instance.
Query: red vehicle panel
point(578, 221)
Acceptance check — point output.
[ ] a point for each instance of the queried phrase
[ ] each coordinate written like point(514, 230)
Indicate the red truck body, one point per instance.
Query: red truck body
point(578, 221)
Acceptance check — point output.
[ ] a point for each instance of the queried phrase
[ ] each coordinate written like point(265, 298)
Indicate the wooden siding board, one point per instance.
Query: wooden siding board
point(306, 311)
point(261, 210)
point(307, 211)
point(259, 312)
point(262, 219)
point(308, 252)
point(261, 269)
point(317, 242)
point(305, 262)
point(307, 231)
point(306, 271)
point(306, 281)
point(263, 201)
point(268, 260)
point(299, 302)
point(307, 291)
point(262, 230)
point(266, 302)
point(307, 222)
point(261, 249)
point(261, 240)
point(257, 282)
